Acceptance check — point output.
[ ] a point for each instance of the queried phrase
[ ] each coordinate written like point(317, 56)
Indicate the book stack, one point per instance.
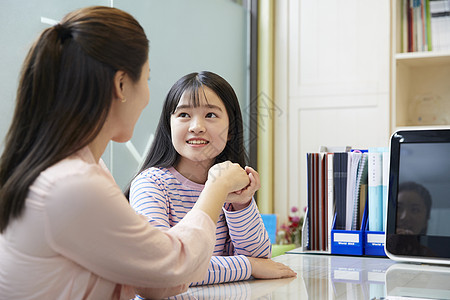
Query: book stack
point(339, 188)
point(440, 25)
point(425, 25)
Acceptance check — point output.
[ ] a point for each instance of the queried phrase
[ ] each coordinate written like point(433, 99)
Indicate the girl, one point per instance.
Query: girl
point(65, 225)
point(201, 125)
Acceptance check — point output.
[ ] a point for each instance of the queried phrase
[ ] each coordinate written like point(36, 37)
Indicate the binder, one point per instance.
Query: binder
point(374, 242)
point(328, 177)
point(340, 185)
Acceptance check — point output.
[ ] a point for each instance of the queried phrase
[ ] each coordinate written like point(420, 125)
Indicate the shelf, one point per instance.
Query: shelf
point(419, 59)
point(423, 127)
point(420, 89)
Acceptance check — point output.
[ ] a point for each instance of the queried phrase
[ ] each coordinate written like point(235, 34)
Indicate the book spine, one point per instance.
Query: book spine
point(375, 190)
point(340, 184)
point(424, 25)
point(404, 26)
point(385, 162)
point(320, 201)
point(330, 197)
point(428, 16)
point(349, 195)
point(410, 27)
point(308, 245)
point(323, 212)
point(315, 220)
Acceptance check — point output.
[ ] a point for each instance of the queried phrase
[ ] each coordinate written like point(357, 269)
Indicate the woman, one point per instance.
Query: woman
point(67, 231)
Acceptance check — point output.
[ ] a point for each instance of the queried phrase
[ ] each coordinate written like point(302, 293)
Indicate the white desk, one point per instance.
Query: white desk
point(337, 277)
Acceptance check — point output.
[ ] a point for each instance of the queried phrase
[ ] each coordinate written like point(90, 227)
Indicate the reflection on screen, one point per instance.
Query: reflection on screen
point(413, 208)
point(424, 189)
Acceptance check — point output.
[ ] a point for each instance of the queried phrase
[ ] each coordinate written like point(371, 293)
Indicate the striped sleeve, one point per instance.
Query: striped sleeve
point(248, 234)
point(148, 198)
point(227, 269)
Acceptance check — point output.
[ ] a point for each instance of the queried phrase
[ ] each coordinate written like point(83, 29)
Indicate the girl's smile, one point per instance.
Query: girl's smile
point(196, 142)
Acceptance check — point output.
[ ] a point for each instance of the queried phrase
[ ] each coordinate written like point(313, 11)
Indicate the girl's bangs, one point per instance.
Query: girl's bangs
point(193, 91)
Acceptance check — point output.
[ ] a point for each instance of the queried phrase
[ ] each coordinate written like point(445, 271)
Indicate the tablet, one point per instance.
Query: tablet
point(418, 208)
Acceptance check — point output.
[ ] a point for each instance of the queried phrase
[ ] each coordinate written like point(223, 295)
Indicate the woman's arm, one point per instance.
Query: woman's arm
point(223, 179)
point(161, 293)
point(89, 221)
point(148, 197)
point(248, 234)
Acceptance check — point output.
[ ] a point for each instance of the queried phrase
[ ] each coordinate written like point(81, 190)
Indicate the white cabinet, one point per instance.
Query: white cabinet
point(331, 82)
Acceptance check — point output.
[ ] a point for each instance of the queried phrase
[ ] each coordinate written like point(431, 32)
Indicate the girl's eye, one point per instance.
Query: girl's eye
point(183, 115)
point(211, 115)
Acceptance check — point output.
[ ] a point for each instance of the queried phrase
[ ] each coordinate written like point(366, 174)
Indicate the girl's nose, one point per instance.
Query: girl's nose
point(197, 125)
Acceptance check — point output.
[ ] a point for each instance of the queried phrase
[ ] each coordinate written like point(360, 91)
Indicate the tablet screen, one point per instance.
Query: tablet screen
point(418, 220)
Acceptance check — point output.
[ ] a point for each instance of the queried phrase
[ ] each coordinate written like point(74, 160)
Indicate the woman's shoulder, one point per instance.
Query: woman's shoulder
point(79, 164)
point(74, 173)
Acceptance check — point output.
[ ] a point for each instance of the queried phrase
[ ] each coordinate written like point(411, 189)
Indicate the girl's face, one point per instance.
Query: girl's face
point(199, 134)
point(412, 213)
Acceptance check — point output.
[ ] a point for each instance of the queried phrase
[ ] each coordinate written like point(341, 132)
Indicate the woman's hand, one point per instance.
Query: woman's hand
point(223, 178)
point(229, 176)
point(265, 268)
point(241, 199)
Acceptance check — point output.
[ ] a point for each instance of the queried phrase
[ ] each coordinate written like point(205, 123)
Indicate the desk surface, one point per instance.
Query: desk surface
point(322, 276)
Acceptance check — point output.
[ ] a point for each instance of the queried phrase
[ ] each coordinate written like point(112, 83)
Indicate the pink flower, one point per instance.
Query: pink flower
point(295, 219)
point(294, 209)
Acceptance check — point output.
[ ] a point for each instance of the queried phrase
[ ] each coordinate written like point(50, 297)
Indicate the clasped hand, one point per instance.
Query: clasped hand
point(241, 198)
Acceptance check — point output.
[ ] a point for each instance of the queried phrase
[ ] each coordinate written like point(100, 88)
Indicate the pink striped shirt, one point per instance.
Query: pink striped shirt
point(164, 196)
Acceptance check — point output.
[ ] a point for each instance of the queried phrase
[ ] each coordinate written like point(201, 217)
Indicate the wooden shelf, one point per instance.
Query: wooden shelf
point(419, 59)
point(420, 89)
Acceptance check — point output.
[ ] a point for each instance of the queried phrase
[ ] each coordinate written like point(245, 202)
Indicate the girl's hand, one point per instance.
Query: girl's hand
point(241, 199)
point(265, 268)
point(229, 175)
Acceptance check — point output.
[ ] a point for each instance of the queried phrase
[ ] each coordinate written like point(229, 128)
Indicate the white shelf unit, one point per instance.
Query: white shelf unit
point(420, 83)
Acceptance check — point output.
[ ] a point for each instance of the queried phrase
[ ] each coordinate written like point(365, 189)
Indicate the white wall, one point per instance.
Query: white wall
point(331, 84)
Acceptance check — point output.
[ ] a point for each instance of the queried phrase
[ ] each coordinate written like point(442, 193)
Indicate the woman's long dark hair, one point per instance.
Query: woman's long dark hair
point(163, 154)
point(64, 95)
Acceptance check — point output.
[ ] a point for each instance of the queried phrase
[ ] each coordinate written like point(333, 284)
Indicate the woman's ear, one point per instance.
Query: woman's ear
point(118, 90)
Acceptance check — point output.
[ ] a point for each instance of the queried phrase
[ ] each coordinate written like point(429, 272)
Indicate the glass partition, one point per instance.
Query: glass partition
point(185, 36)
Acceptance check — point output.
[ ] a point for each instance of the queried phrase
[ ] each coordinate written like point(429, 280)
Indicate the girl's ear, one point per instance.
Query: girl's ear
point(229, 135)
point(118, 89)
